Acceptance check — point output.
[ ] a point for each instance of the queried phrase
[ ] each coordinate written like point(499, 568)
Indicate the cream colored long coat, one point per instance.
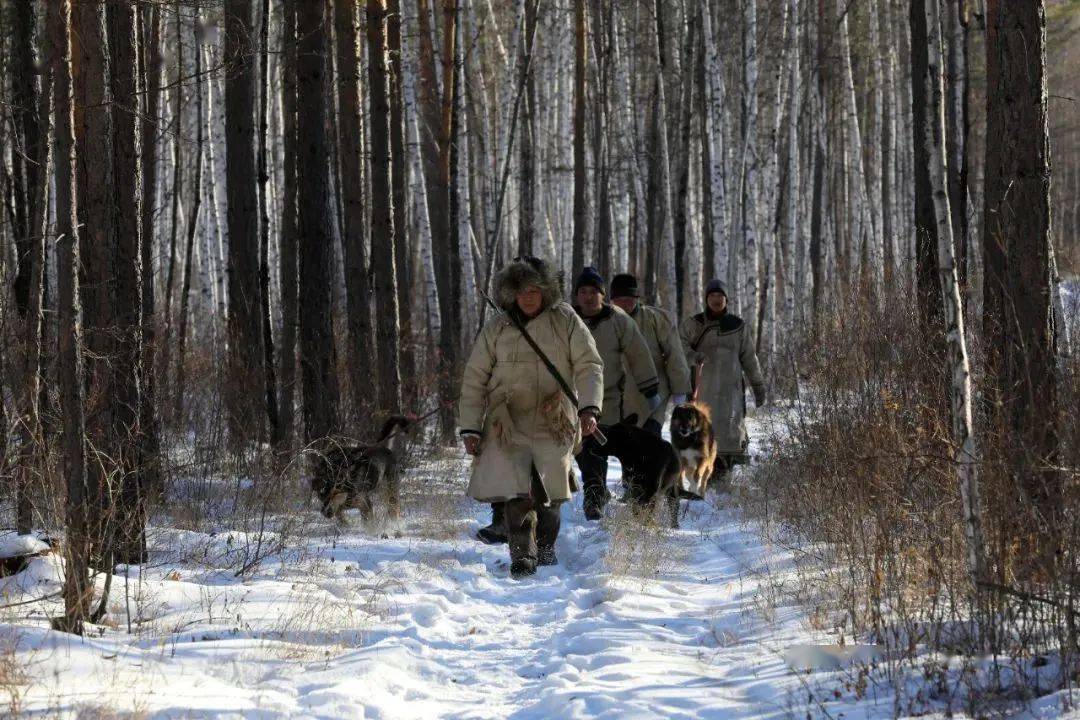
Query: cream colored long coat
point(627, 362)
point(525, 421)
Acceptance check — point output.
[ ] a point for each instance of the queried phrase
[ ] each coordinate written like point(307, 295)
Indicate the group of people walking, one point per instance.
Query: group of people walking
point(544, 374)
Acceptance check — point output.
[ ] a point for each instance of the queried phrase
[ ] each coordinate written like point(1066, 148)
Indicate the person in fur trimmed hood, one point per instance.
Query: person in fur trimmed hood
point(513, 417)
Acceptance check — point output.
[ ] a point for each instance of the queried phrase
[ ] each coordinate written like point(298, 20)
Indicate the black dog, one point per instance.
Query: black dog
point(650, 465)
point(348, 475)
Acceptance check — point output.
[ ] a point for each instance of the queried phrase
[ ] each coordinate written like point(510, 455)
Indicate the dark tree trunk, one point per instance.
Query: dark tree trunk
point(527, 180)
point(96, 182)
point(177, 186)
point(601, 142)
point(682, 194)
point(287, 242)
point(77, 587)
point(245, 389)
point(354, 230)
point(1019, 324)
point(27, 174)
point(192, 225)
point(318, 360)
point(708, 239)
point(581, 219)
point(436, 111)
point(382, 212)
point(927, 287)
point(957, 87)
point(125, 268)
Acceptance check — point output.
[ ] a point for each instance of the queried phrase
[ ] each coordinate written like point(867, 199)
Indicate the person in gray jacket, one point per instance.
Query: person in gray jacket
point(720, 344)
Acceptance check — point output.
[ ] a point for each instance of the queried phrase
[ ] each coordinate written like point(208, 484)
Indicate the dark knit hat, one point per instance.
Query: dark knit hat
point(716, 285)
point(624, 285)
point(589, 276)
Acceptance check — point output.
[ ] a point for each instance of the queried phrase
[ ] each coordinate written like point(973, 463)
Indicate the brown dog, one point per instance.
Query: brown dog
point(692, 438)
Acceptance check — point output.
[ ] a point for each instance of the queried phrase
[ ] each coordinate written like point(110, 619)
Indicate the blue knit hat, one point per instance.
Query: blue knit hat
point(590, 276)
point(716, 285)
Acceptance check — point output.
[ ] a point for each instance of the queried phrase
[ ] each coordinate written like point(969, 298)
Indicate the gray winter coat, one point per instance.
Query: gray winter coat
point(723, 346)
point(662, 338)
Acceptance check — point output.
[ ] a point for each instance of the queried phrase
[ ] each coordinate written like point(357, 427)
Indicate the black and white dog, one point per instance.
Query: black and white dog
point(649, 463)
point(349, 475)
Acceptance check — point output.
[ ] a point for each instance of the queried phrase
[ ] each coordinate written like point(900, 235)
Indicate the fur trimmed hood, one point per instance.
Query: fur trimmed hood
point(519, 274)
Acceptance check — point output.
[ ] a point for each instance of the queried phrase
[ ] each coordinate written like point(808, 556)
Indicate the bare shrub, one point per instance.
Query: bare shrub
point(860, 485)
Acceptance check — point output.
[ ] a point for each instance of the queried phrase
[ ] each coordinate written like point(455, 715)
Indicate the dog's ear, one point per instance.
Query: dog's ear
point(630, 419)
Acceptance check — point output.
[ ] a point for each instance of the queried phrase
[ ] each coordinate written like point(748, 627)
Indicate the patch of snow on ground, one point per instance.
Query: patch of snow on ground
point(352, 625)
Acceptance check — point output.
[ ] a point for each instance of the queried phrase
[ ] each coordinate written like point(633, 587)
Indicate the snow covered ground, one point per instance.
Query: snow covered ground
point(633, 623)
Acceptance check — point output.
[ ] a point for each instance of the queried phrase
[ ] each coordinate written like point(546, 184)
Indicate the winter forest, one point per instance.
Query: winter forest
point(238, 238)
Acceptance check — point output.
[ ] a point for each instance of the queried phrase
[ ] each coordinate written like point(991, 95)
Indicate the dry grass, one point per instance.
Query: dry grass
point(639, 544)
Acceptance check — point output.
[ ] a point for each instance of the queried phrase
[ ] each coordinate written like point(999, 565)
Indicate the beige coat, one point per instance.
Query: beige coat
point(511, 399)
point(666, 350)
point(724, 347)
point(627, 362)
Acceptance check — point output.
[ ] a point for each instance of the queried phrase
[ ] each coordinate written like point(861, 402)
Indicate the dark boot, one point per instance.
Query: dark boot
point(549, 519)
point(521, 524)
point(495, 533)
point(594, 478)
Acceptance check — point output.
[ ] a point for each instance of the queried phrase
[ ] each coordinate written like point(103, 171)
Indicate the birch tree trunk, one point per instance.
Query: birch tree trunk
point(77, 588)
point(716, 246)
point(149, 423)
point(32, 262)
point(288, 263)
point(400, 184)
point(960, 388)
point(746, 296)
point(265, 314)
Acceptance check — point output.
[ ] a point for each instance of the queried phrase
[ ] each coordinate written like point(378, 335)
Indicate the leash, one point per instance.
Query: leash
point(413, 420)
point(697, 382)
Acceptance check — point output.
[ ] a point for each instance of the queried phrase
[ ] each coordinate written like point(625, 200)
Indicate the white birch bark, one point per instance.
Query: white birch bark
point(714, 139)
point(875, 120)
point(960, 389)
point(863, 236)
point(795, 252)
point(746, 297)
point(470, 316)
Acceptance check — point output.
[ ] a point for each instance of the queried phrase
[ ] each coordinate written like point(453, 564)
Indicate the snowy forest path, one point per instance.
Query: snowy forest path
point(423, 621)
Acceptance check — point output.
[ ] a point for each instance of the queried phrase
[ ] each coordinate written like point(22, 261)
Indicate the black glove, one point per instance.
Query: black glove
point(760, 397)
